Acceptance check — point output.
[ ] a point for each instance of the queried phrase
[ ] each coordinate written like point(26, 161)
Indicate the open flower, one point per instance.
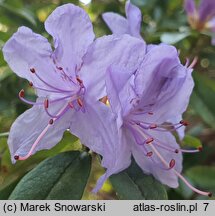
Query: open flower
point(143, 100)
point(121, 25)
point(68, 81)
point(201, 17)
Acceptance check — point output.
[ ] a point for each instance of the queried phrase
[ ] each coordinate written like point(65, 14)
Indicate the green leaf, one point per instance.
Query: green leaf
point(201, 108)
point(125, 187)
point(7, 190)
point(4, 134)
point(202, 176)
point(203, 98)
point(21, 12)
point(62, 177)
point(133, 184)
point(192, 142)
point(174, 37)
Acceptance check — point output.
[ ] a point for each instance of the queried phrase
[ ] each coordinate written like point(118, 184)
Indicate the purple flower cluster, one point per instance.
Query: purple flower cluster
point(146, 86)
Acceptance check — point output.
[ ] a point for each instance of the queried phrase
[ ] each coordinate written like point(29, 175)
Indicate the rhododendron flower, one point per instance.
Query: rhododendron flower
point(68, 81)
point(143, 100)
point(121, 25)
point(202, 16)
point(132, 27)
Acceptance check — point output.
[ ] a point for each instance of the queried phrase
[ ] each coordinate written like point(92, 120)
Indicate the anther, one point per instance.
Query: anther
point(153, 126)
point(79, 80)
point(200, 148)
point(32, 70)
point(80, 102)
point(171, 163)
point(104, 99)
point(210, 194)
point(51, 121)
point(176, 151)
point(183, 122)
point(16, 157)
point(30, 84)
point(150, 113)
point(149, 140)
point(22, 93)
point(149, 154)
point(46, 103)
point(59, 68)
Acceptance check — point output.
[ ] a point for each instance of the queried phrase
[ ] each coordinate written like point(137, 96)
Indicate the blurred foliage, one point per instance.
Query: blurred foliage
point(163, 21)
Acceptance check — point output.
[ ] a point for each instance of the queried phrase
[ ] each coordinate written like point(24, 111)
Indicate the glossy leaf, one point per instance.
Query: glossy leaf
point(205, 88)
point(202, 109)
point(21, 12)
point(203, 176)
point(133, 184)
point(191, 142)
point(173, 38)
point(7, 190)
point(61, 177)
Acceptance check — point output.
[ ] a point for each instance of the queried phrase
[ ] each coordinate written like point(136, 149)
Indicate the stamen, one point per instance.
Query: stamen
point(29, 102)
point(149, 140)
point(80, 102)
point(32, 70)
point(79, 80)
point(30, 84)
point(190, 186)
point(104, 99)
point(22, 93)
point(164, 146)
point(187, 62)
point(185, 123)
point(42, 134)
point(200, 148)
point(71, 105)
point(172, 164)
point(48, 90)
point(61, 90)
point(51, 121)
point(153, 126)
point(149, 154)
point(46, 103)
point(189, 151)
point(59, 68)
point(42, 103)
point(65, 74)
point(49, 114)
point(16, 157)
point(192, 65)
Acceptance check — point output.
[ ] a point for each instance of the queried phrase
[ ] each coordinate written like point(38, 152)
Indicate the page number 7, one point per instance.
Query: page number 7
point(206, 205)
